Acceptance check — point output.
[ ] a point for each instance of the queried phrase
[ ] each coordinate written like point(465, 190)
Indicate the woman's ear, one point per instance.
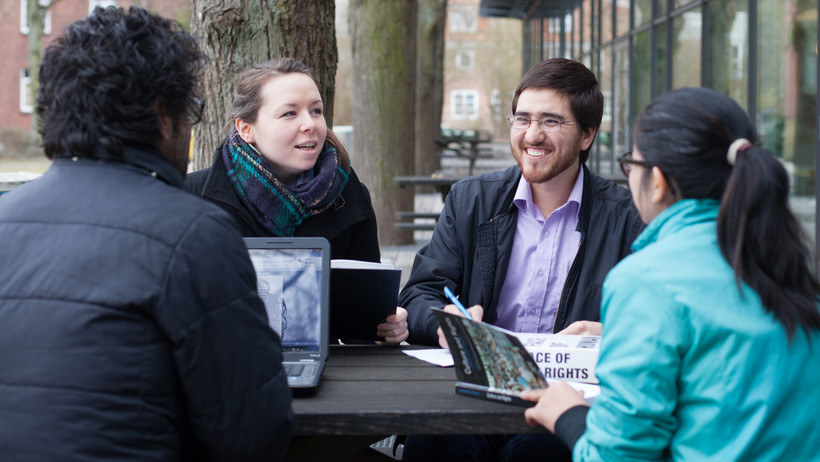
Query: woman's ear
point(245, 131)
point(662, 192)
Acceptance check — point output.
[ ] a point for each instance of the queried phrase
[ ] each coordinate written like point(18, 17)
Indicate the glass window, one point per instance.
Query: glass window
point(641, 92)
point(464, 104)
point(787, 87)
point(465, 60)
point(661, 80)
point(620, 112)
point(642, 12)
point(682, 3)
point(567, 21)
point(663, 7)
point(24, 17)
point(577, 40)
point(606, 20)
point(26, 104)
point(462, 18)
point(622, 12)
point(101, 3)
point(686, 49)
point(588, 26)
point(550, 38)
point(729, 49)
point(605, 133)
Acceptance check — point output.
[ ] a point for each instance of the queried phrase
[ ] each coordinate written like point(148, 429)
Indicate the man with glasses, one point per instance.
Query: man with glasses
point(130, 326)
point(527, 247)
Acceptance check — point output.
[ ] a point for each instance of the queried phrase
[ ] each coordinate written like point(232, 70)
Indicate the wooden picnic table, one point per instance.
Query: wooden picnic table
point(466, 144)
point(441, 182)
point(371, 392)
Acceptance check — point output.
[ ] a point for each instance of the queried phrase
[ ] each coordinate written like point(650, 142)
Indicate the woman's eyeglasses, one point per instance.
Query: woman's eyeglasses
point(626, 161)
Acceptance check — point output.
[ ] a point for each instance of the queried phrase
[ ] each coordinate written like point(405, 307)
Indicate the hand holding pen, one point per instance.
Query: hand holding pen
point(449, 293)
point(476, 312)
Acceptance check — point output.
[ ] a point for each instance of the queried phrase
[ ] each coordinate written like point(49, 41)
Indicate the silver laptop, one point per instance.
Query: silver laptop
point(293, 279)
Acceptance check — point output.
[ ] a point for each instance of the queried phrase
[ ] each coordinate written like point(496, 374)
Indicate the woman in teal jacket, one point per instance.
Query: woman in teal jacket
point(711, 341)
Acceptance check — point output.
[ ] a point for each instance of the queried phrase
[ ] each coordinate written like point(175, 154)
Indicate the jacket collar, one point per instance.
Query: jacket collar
point(147, 159)
point(679, 215)
point(585, 211)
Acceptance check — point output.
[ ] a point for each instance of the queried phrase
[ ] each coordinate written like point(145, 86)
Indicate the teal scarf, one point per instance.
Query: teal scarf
point(276, 206)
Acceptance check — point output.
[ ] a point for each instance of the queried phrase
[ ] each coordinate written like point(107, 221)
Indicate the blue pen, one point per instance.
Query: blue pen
point(449, 293)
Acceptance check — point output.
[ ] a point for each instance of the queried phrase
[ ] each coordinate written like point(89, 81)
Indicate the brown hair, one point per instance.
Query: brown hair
point(573, 80)
point(247, 95)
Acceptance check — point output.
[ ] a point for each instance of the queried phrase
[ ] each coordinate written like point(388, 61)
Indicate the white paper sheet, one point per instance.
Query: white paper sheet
point(437, 356)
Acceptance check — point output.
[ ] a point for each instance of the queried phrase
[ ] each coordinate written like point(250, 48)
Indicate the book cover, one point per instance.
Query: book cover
point(490, 363)
point(362, 295)
point(568, 358)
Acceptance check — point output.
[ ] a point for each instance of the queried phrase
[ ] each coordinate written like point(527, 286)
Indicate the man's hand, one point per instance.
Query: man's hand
point(476, 311)
point(394, 328)
point(553, 402)
point(583, 328)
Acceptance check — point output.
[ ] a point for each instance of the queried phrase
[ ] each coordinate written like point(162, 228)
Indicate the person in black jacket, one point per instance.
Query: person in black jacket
point(130, 326)
point(282, 172)
point(528, 247)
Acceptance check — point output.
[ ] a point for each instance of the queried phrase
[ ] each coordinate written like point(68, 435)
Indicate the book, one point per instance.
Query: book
point(567, 358)
point(495, 364)
point(362, 295)
point(489, 362)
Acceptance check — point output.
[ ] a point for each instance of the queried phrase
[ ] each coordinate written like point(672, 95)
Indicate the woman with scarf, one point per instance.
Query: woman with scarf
point(282, 172)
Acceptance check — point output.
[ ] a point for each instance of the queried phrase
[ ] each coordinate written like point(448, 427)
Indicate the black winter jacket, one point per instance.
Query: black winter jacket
point(349, 225)
point(471, 245)
point(130, 327)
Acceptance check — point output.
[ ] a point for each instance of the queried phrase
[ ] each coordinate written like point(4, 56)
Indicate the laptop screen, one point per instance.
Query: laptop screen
point(289, 282)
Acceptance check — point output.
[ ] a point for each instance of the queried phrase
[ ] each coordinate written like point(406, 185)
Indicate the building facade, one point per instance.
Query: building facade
point(15, 103)
point(482, 67)
point(762, 53)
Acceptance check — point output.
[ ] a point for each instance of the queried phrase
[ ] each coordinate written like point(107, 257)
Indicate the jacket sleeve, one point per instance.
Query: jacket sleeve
point(437, 264)
point(229, 362)
point(638, 369)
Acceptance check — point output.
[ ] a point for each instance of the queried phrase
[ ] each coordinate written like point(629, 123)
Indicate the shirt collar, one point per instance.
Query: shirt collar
point(523, 196)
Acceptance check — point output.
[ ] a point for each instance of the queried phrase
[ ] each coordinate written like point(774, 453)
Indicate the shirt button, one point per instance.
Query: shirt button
point(540, 272)
point(547, 234)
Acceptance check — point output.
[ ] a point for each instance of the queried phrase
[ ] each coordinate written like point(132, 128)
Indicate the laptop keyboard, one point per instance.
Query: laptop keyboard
point(293, 370)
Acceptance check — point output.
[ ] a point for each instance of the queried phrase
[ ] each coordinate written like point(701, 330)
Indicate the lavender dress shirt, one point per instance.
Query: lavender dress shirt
point(543, 251)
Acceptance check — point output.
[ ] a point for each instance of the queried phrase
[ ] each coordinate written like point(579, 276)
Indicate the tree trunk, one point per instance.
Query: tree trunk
point(239, 34)
point(36, 14)
point(429, 83)
point(384, 56)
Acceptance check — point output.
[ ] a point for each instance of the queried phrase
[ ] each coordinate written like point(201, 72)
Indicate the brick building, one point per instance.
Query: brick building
point(15, 106)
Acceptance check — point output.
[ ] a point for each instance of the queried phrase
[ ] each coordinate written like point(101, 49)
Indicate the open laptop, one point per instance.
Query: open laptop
point(293, 280)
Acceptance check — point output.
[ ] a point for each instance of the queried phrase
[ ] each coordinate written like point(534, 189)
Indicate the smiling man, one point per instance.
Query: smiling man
point(529, 246)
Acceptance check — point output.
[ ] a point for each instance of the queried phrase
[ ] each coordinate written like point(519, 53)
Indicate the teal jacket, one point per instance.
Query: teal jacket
point(691, 368)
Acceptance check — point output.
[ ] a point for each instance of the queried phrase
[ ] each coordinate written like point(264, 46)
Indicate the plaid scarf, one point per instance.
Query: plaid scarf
point(278, 207)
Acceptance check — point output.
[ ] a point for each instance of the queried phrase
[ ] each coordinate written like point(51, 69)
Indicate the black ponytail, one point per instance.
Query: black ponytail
point(763, 241)
point(687, 133)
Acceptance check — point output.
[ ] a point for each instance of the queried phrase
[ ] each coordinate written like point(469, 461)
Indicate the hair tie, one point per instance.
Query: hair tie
point(738, 145)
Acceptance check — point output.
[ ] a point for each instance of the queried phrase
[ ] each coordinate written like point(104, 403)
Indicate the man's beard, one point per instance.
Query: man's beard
point(558, 165)
point(177, 149)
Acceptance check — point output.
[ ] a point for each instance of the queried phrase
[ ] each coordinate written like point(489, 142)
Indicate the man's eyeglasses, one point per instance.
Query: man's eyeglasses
point(195, 107)
point(626, 161)
point(545, 125)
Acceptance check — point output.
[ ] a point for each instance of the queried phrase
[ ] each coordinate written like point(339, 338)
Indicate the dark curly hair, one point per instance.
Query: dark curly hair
point(107, 78)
